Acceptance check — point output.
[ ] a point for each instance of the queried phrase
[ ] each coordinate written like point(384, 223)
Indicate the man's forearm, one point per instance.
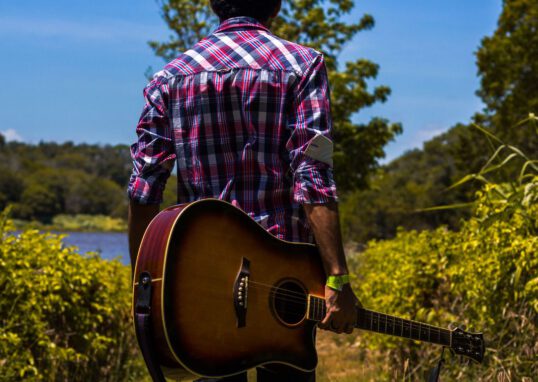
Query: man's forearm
point(139, 218)
point(325, 224)
point(341, 304)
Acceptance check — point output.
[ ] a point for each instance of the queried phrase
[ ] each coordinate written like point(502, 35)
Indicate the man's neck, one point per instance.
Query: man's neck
point(267, 23)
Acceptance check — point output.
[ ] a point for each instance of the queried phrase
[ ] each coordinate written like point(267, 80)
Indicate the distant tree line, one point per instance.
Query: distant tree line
point(47, 179)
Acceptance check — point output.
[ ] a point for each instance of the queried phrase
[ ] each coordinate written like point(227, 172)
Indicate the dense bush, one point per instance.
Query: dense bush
point(63, 316)
point(484, 276)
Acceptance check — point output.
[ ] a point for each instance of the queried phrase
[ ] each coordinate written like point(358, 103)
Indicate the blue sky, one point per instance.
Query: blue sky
point(74, 70)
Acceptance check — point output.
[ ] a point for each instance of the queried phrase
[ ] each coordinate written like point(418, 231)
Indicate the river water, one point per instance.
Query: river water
point(111, 245)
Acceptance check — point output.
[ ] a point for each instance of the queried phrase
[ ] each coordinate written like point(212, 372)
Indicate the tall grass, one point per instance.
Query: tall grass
point(485, 276)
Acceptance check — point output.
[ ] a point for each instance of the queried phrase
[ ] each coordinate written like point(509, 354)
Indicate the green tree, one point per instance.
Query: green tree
point(40, 202)
point(46, 193)
point(319, 24)
point(90, 194)
point(402, 189)
point(508, 67)
point(11, 186)
point(114, 162)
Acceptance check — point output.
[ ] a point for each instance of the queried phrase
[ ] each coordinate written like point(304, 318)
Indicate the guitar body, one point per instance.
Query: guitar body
point(205, 260)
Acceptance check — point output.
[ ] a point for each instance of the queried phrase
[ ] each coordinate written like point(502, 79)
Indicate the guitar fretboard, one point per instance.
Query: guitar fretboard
point(386, 324)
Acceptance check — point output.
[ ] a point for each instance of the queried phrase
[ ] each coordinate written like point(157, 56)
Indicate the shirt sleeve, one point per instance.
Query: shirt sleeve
point(310, 145)
point(153, 154)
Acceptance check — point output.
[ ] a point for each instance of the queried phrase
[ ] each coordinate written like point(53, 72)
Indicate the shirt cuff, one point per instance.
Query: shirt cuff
point(314, 184)
point(145, 190)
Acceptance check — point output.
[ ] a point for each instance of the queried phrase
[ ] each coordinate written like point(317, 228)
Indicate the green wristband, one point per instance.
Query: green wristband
point(337, 282)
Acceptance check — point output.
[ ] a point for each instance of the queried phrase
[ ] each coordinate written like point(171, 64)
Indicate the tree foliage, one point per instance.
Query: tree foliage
point(11, 186)
point(508, 66)
point(48, 179)
point(418, 179)
point(319, 24)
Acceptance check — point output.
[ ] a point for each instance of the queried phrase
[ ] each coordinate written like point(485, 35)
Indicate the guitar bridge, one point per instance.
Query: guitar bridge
point(240, 293)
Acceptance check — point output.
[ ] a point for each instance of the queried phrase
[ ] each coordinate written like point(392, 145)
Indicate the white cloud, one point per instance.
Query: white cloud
point(411, 140)
point(428, 133)
point(11, 135)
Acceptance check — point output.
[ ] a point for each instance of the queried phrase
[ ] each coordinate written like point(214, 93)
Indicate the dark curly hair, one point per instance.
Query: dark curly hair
point(260, 10)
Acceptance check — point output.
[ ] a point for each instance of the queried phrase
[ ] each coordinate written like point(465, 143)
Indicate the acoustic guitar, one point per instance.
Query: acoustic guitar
point(226, 296)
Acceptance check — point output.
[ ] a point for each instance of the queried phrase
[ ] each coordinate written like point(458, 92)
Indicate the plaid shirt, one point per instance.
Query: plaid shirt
point(237, 113)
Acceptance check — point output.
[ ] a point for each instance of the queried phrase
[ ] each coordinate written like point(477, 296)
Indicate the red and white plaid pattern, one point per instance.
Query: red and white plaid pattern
point(236, 114)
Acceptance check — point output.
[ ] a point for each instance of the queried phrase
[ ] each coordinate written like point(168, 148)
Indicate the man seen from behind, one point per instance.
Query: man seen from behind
point(245, 117)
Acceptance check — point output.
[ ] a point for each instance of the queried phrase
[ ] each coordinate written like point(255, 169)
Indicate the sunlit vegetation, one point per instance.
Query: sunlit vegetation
point(68, 223)
point(68, 315)
point(485, 276)
point(63, 316)
point(77, 223)
point(445, 234)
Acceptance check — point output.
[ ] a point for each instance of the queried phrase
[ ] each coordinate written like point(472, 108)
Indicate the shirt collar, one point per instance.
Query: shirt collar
point(241, 22)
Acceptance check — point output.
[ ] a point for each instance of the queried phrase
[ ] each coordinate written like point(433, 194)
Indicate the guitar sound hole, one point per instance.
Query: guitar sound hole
point(289, 302)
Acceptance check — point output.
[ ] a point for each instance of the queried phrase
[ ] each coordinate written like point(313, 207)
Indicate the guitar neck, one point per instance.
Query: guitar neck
point(386, 324)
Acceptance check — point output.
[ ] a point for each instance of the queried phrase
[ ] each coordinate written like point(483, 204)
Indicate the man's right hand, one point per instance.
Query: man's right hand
point(341, 307)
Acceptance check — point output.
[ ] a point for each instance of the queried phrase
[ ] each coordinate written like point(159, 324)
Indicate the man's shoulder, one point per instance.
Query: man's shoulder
point(260, 50)
point(292, 54)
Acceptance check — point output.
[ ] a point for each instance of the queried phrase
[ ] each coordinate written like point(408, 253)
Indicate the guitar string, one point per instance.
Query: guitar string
point(386, 316)
point(275, 287)
point(370, 315)
point(285, 292)
point(298, 298)
point(282, 293)
point(367, 315)
point(384, 319)
point(273, 291)
point(284, 297)
point(302, 300)
point(289, 295)
point(303, 297)
point(290, 299)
